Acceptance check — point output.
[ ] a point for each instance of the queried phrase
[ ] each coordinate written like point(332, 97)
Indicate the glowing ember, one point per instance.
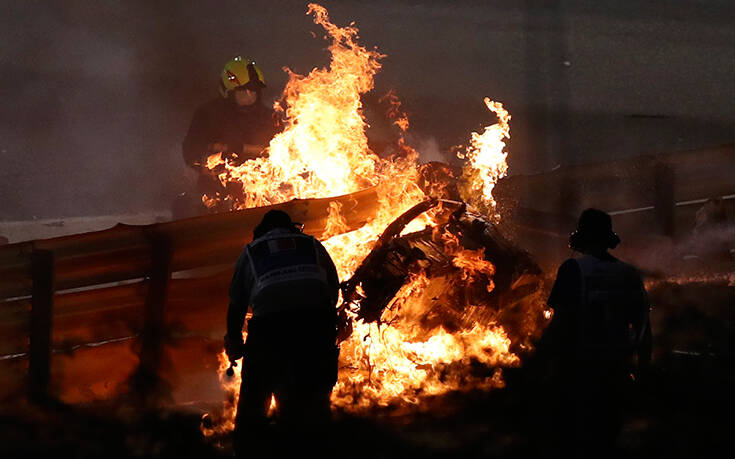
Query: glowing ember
point(323, 151)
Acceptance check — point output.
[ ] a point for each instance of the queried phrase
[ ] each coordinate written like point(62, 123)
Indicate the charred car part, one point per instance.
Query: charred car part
point(502, 291)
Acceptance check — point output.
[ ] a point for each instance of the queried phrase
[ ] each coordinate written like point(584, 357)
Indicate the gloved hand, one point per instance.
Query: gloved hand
point(234, 347)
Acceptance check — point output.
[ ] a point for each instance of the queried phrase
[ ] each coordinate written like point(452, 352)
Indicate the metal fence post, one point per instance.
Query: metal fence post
point(569, 200)
point(664, 202)
point(147, 380)
point(39, 366)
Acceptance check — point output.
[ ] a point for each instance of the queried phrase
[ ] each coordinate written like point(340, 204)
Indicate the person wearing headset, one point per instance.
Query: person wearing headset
point(602, 338)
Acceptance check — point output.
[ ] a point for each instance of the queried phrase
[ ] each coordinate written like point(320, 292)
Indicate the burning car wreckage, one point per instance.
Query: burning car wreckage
point(460, 276)
point(501, 288)
point(474, 278)
point(436, 297)
point(505, 281)
point(508, 278)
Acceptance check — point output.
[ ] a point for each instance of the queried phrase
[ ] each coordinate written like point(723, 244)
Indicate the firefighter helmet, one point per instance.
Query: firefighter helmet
point(240, 71)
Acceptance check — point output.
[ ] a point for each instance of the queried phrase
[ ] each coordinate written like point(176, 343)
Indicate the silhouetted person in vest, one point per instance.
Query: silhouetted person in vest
point(291, 284)
point(601, 339)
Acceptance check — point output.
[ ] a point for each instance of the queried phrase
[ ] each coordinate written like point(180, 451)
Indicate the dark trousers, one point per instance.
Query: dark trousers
point(590, 397)
point(293, 359)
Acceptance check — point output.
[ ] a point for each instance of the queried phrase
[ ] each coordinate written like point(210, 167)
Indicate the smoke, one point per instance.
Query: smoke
point(98, 95)
point(98, 98)
point(428, 147)
point(693, 255)
point(710, 244)
point(80, 143)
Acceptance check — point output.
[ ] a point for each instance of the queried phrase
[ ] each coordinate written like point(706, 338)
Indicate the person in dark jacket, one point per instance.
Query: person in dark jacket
point(237, 124)
point(601, 337)
point(290, 282)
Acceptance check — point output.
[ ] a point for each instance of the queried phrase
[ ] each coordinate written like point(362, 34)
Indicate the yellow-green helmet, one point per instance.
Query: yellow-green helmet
point(240, 71)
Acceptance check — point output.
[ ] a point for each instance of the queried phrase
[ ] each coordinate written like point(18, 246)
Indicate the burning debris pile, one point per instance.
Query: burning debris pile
point(436, 298)
point(443, 306)
point(459, 248)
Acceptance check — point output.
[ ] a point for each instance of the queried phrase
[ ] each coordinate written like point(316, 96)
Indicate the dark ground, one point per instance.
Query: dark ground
point(686, 410)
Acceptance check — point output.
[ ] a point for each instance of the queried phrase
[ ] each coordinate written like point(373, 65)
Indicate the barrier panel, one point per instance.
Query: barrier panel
point(139, 287)
point(646, 181)
point(62, 293)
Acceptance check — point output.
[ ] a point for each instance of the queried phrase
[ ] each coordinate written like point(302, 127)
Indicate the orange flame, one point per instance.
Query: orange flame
point(323, 149)
point(323, 152)
point(225, 422)
point(486, 159)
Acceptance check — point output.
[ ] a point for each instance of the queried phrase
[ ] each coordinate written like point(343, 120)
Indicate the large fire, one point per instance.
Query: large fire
point(323, 151)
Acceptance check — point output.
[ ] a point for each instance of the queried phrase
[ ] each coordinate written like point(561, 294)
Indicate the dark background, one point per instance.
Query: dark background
point(97, 96)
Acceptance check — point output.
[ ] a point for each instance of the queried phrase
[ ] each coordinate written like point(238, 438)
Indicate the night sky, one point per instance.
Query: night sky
point(97, 96)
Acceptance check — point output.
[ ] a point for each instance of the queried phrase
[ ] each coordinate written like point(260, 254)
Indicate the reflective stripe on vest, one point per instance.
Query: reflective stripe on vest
point(284, 258)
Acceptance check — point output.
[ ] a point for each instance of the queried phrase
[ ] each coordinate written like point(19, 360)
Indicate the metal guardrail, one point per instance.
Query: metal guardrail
point(68, 278)
point(667, 186)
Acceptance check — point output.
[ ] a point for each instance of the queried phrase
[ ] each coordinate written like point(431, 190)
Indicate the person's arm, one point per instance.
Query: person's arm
point(644, 352)
point(565, 294)
point(643, 328)
point(564, 299)
point(272, 125)
point(332, 277)
point(195, 142)
point(240, 288)
point(199, 142)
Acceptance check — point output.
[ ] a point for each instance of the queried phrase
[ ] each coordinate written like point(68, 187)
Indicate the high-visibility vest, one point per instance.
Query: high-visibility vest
point(283, 258)
point(613, 299)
